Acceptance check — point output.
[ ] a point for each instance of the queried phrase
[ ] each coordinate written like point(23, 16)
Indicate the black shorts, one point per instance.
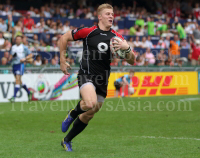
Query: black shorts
point(99, 83)
point(117, 85)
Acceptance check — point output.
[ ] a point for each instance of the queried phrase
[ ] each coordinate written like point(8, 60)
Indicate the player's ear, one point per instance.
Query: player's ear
point(99, 17)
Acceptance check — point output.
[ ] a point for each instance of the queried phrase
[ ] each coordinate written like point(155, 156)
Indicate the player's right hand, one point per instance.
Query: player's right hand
point(64, 66)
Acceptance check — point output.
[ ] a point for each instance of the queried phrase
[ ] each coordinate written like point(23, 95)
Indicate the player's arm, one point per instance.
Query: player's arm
point(125, 81)
point(123, 45)
point(63, 46)
point(29, 55)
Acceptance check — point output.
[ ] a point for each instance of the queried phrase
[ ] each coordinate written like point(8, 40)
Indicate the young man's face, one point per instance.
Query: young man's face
point(106, 16)
point(18, 40)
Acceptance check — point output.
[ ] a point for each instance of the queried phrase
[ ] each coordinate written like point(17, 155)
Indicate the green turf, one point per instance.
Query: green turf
point(118, 130)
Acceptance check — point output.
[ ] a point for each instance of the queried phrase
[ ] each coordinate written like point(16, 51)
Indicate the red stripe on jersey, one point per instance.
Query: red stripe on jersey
point(83, 32)
point(117, 34)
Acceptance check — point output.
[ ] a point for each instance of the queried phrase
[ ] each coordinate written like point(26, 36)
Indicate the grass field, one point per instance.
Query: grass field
point(156, 127)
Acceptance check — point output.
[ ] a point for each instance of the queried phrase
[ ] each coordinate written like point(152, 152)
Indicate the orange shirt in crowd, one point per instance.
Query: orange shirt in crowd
point(174, 48)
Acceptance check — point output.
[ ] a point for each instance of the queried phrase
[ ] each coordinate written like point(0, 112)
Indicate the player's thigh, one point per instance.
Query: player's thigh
point(88, 94)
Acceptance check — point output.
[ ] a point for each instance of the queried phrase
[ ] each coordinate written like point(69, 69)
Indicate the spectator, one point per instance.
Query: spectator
point(174, 49)
point(66, 26)
point(6, 55)
point(161, 58)
point(7, 45)
point(2, 40)
point(181, 31)
point(130, 42)
point(150, 26)
point(83, 14)
point(57, 13)
point(185, 44)
point(71, 15)
point(47, 12)
point(45, 36)
point(161, 44)
point(115, 62)
point(89, 14)
point(167, 41)
point(94, 16)
point(6, 12)
point(38, 61)
point(24, 41)
point(140, 60)
point(71, 62)
point(32, 12)
point(9, 22)
point(196, 11)
point(143, 43)
point(149, 44)
point(56, 58)
point(169, 62)
point(140, 21)
point(115, 26)
point(4, 61)
point(149, 57)
point(137, 43)
point(3, 26)
point(139, 31)
point(195, 59)
point(53, 62)
point(28, 22)
point(45, 62)
point(17, 30)
point(79, 11)
point(196, 32)
point(133, 30)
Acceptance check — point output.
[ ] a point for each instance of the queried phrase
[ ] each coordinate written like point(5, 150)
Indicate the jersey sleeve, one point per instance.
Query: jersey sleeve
point(26, 50)
point(82, 32)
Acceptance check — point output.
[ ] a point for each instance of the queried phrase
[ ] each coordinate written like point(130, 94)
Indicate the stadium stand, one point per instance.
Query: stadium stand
point(42, 27)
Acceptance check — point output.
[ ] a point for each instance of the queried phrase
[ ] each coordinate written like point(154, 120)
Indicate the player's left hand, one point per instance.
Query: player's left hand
point(117, 45)
point(22, 60)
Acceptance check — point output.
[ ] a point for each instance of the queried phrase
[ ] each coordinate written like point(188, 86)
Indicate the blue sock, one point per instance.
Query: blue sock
point(24, 86)
point(17, 87)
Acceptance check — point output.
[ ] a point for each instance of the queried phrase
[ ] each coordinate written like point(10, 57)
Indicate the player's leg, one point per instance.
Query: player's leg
point(117, 88)
point(24, 85)
point(123, 87)
point(29, 93)
point(82, 121)
point(89, 100)
point(16, 88)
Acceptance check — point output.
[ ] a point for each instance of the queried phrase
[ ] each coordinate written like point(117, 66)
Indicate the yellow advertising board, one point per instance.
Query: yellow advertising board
point(158, 83)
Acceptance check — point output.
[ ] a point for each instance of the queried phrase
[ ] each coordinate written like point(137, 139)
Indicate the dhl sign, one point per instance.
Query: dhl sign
point(158, 83)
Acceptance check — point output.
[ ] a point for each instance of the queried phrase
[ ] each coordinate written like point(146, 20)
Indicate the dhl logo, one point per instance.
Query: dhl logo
point(146, 83)
point(151, 85)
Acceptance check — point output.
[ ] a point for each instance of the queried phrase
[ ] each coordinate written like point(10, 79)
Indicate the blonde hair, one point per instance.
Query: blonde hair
point(102, 7)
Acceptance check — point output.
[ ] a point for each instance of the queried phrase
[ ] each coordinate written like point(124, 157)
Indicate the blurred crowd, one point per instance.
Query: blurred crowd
point(154, 22)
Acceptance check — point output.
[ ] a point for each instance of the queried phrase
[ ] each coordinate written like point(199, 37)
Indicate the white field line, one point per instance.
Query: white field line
point(153, 137)
point(189, 99)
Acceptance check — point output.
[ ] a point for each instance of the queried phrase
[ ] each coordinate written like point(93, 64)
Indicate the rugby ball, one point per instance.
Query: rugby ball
point(119, 53)
point(131, 90)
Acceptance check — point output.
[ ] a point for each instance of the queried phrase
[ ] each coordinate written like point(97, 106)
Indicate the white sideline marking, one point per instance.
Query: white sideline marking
point(153, 137)
point(189, 99)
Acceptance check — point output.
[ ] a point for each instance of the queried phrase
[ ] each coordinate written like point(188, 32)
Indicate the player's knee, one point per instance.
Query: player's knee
point(91, 104)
